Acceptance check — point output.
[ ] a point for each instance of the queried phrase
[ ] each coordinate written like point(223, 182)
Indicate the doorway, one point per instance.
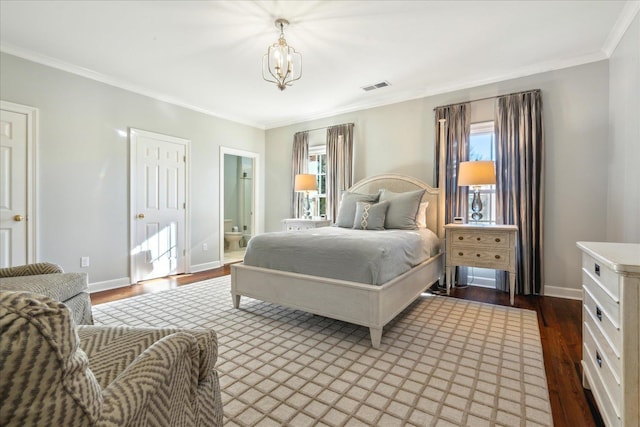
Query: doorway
point(238, 176)
point(18, 142)
point(159, 188)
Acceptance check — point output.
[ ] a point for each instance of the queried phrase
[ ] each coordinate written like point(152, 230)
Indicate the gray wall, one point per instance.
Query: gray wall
point(623, 207)
point(83, 168)
point(399, 138)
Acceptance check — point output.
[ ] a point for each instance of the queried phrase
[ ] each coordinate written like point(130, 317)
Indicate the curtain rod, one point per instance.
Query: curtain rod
point(324, 127)
point(487, 97)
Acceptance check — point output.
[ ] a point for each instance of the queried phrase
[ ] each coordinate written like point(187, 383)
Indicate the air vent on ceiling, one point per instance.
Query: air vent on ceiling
point(376, 86)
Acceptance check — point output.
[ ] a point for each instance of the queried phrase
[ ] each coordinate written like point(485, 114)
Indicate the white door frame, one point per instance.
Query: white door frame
point(132, 201)
point(255, 197)
point(33, 139)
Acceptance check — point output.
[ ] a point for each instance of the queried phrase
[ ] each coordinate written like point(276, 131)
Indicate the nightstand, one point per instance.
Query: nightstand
point(485, 246)
point(291, 224)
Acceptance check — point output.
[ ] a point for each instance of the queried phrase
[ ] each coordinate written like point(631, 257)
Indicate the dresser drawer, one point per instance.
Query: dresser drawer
point(604, 343)
point(592, 309)
point(602, 298)
point(605, 277)
point(598, 364)
point(602, 400)
point(478, 257)
point(495, 239)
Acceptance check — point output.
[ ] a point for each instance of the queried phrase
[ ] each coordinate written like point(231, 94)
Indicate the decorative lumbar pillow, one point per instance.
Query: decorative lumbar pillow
point(403, 209)
point(370, 216)
point(421, 219)
point(347, 209)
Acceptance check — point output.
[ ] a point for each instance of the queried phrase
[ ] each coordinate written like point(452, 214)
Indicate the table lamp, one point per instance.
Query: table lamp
point(476, 174)
point(306, 182)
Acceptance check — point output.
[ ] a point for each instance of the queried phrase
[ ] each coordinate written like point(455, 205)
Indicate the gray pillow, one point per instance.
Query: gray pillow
point(403, 209)
point(347, 209)
point(370, 216)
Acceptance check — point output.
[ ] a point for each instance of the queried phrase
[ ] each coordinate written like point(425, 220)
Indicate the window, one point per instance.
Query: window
point(482, 147)
point(318, 167)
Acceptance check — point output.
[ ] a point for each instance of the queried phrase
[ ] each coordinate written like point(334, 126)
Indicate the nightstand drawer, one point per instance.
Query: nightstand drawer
point(475, 257)
point(606, 278)
point(297, 224)
point(495, 239)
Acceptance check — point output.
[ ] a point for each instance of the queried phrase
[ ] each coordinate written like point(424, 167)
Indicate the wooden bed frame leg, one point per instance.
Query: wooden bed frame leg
point(236, 300)
point(376, 337)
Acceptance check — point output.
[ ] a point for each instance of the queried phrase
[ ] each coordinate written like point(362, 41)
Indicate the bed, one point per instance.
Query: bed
point(351, 300)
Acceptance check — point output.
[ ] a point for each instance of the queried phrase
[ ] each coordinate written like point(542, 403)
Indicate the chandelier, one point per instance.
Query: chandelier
point(281, 64)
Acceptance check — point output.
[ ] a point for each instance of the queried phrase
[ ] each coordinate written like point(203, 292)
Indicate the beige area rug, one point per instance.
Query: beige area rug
point(443, 362)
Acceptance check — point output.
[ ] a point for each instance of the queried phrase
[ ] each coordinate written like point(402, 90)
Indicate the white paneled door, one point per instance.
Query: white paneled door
point(15, 248)
point(159, 205)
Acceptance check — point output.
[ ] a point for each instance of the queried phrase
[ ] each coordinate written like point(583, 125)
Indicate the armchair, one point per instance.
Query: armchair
point(49, 279)
point(54, 373)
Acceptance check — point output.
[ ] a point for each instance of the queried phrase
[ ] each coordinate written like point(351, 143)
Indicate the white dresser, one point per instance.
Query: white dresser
point(611, 329)
point(291, 224)
point(486, 246)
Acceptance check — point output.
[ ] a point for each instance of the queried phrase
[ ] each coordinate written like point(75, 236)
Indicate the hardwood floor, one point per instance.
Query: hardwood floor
point(560, 323)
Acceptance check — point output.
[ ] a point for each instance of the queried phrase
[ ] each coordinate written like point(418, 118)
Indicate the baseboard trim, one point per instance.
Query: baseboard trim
point(206, 266)
point(109, 284)
point(558, 292)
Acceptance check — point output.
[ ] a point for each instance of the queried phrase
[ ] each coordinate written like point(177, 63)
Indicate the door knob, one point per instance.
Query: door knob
point(18, 218)
point(140, 216)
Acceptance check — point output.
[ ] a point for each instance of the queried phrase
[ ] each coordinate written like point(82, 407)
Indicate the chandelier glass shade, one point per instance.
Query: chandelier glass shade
point(281, 64)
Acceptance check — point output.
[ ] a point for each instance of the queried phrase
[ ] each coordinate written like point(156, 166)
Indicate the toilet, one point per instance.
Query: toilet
point(246, 236)
point(231, 238)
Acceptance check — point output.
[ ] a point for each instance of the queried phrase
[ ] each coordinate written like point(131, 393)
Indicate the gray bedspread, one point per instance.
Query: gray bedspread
point(372, 257)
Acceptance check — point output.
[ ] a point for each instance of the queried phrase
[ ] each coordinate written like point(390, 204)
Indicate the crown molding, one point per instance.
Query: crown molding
point(626, 17)
point(111, 81)
point(456, 86)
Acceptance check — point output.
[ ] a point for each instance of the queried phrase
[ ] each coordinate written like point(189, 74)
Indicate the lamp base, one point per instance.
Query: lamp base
point(476, 205)
point(306, 212)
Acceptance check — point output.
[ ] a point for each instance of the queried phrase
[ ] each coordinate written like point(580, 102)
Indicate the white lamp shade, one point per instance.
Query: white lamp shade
point(305, 182)
point(480, 172)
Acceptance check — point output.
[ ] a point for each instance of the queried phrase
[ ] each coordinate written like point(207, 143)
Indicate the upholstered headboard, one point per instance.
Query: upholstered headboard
point(401, 183)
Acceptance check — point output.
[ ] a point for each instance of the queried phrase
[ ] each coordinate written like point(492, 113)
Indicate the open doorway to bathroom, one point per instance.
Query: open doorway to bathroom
point(238, 184)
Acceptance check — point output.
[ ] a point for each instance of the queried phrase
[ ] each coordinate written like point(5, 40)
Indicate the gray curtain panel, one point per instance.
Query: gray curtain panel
point(299, 164)
point(520, 184)
point(457, 131)
point(339, 165)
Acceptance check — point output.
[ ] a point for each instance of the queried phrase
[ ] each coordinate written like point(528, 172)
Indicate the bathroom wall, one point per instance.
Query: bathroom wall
point(231, 189)
point(246, 182)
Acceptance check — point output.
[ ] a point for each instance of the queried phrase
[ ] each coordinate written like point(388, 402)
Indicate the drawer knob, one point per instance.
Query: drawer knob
point(460, 238)
point(460, 254)
point(598, 313)
point(478, 239)
point(497, 240)
point(497, 256)
point(598, 359)
point(597, 269)
point(478, 255)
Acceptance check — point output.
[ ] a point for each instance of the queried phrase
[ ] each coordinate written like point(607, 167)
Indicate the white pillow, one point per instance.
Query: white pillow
point(403, 208)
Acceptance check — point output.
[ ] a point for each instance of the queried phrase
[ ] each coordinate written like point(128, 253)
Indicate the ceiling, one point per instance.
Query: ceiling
point(206, 55)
